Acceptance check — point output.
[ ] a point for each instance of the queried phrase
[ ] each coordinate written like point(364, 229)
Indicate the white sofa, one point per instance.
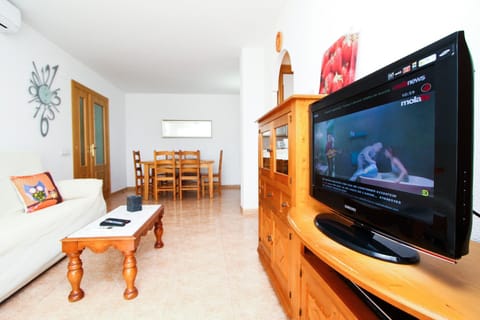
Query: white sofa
point(31, 243)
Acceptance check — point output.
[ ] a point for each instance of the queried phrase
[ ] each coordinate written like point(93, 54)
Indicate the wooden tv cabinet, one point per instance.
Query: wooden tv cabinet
point(306, 267)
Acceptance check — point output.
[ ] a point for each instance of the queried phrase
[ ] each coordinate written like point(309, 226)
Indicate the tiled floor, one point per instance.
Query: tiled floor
point(208, 269)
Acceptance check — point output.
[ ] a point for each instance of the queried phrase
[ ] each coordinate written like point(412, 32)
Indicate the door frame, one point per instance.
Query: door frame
point(90, 170)
point(285, 69)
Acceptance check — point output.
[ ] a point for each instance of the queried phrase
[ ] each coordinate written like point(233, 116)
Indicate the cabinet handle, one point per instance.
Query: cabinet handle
point(270, 194)
point(284, 204)
point(269, 150)
point(269, 238)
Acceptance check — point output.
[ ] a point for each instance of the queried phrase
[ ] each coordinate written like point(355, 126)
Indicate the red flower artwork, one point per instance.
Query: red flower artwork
point(338, 65)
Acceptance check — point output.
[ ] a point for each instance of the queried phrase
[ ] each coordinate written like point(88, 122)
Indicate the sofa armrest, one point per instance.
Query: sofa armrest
point(79, 188)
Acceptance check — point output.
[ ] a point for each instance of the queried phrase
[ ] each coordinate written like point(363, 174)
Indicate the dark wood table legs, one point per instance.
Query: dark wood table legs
point(159, 233)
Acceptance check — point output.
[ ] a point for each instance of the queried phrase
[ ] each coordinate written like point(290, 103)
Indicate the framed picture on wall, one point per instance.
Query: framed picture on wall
point(187, 128)
point(338, 64)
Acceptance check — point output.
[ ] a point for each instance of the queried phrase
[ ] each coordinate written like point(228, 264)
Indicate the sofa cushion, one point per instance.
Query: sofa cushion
point(8, 198)
point(15, 164)
point(22, 230)
point(37, 191)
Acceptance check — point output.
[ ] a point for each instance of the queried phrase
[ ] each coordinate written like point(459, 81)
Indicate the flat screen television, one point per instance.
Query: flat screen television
point(392, 156)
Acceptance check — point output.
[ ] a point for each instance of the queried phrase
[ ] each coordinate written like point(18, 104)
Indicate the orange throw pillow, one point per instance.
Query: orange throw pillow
point(37, 191)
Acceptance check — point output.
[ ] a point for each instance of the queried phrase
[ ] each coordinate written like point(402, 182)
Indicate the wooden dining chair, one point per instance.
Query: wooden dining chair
point(139, 177)
point(165, 177)
point(189, 172)
point(217, 178)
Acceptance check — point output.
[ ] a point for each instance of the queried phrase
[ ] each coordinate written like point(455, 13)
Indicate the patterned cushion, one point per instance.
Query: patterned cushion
point(37, 191)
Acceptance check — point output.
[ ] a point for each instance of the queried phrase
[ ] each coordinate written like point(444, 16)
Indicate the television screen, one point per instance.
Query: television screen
point(392, 153)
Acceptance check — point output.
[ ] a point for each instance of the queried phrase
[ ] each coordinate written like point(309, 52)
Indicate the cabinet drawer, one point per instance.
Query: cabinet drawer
point(278, 200)
point(272, 197)
point(285, 202)
point(261, 189)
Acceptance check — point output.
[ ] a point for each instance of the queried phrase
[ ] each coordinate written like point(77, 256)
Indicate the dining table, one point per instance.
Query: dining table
point(148, 165)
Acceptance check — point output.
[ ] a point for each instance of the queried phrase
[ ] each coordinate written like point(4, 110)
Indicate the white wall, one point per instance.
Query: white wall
point(19, 131)
point(387, 33)
point(145, 112)
point(252, 65)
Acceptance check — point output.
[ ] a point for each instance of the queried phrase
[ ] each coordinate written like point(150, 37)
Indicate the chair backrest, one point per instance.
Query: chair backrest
point(164, 162)
point(189, 163)
point(137, 163)
point(220, 163)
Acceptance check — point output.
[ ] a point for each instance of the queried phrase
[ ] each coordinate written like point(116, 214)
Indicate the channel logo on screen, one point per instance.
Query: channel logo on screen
point(415, 99)
point(410, 82)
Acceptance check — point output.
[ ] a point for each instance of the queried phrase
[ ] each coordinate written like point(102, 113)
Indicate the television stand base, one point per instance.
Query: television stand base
point(364, 241)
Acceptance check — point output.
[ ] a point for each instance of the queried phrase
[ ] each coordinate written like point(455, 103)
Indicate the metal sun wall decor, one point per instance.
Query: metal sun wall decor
point(46, 98)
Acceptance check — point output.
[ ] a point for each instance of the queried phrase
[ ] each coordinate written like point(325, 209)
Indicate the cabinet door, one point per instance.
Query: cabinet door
point(266, 149)
point(280, 150)
point(265, 231)
point(325, 296)
point(280, 258)
point(315, 302)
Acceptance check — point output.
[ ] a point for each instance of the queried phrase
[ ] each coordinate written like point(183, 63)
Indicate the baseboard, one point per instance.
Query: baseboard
point(130, 189)
point(230, 186)
point(121, 191)
point(247, 212)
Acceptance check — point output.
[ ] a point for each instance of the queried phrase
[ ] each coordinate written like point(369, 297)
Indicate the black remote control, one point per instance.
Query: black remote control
point(112, 223)
point(124, 221)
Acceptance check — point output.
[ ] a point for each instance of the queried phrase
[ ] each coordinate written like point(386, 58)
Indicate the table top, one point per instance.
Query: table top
point(137, 220)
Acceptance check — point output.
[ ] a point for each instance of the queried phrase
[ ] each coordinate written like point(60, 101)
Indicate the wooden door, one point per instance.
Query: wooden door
point(91, 150)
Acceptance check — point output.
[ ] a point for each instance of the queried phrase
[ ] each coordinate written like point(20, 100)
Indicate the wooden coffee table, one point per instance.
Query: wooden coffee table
point(125, 239)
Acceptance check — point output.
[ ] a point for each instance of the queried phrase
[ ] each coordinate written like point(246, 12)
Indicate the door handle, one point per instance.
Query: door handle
point(92, 150)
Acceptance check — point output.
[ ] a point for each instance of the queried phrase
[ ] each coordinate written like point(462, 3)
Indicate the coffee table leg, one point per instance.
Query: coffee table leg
point(74, 275)
point(129, 274)
point(158, 233)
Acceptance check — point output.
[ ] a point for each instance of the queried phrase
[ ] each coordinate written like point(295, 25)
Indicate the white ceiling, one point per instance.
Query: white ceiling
point(176, 46)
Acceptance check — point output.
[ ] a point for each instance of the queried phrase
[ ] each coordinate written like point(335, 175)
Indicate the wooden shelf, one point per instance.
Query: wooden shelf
point(432, 289)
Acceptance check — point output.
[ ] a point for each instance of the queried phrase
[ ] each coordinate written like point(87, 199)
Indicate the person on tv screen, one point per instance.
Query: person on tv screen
point(366, 164)
point(330, 152)
point(398, 173)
